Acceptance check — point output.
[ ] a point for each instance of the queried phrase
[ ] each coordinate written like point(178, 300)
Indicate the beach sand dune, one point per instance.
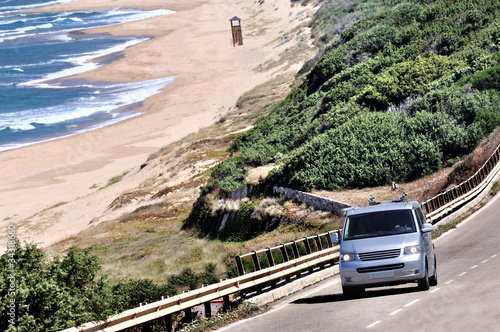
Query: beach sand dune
point(193, 45)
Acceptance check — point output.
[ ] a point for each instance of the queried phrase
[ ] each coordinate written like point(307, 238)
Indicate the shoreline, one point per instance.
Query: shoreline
point(193, 44)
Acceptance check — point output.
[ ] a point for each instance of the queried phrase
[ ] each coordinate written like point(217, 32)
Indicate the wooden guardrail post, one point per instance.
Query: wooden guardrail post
point(239, 265)
point(307, 245)
point(284, 254)
point(188, 315)
point(255, 259)
point(208, 309)
point(308, 251)
point(241, 271)
point(320, 247)
point(270, 260)
point(329, 239)
point(256, 265)
point(226, 303)
point(146, 327)
point(296, 255)
point(168, 323)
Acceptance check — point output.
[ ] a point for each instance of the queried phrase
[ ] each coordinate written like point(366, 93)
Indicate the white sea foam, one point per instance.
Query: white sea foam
point(82, 64)
point(109, 98)
point(25, 7)
point(22, 127)
point(44, 26)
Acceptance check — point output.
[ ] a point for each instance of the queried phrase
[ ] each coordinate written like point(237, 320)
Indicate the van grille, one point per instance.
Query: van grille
point(380, 268)
point(384, 254)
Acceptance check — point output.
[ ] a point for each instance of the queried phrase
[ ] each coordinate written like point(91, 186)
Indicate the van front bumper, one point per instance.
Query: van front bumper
point(403, 269)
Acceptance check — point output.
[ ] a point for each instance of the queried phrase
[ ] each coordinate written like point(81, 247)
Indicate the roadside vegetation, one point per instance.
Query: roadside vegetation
point(61, 292)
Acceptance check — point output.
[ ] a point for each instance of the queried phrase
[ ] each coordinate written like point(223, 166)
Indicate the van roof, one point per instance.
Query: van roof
point(384, 206)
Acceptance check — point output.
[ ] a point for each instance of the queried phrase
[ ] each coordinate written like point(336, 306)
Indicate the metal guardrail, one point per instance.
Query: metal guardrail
point(453, 198)
point(242, 284)
point(318, 251)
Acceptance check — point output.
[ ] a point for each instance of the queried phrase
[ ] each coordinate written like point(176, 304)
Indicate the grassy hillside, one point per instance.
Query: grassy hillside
point(399, 94)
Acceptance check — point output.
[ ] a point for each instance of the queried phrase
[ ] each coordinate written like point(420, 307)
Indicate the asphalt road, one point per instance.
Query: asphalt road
point(467, 297)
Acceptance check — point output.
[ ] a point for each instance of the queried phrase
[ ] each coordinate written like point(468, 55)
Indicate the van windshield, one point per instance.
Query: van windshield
point(381, 223)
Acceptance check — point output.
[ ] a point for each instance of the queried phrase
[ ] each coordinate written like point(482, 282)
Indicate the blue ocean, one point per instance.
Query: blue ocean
point(37, 50)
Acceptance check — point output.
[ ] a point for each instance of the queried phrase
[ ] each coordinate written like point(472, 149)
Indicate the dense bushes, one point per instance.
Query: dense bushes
point(375, 148)
point(54, 294)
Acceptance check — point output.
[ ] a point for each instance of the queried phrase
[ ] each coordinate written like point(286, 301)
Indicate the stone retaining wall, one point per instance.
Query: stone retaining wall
point(318, 202)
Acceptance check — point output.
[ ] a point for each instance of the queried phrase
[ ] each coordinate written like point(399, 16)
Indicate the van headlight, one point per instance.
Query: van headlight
point(412, 250)
point(347, 257)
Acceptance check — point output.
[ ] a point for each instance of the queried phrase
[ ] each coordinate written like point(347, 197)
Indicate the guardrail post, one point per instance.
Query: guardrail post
point(271, 263)
point(239, 265)
point(308, 251)
point(318, 243)
point(226, 304)
point(256, 265)
point(168, 323)
point(295, 250)
point(255, 260)
point(329, 239)
point(188, 315)
point(146, 327)
point(296, 255)
point(208, 309)
point(241, 271)
point(284, 254)
point(307, 245)
point(320, 247)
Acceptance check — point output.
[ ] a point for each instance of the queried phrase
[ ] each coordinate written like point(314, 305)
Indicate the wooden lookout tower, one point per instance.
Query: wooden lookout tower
point(236, 31)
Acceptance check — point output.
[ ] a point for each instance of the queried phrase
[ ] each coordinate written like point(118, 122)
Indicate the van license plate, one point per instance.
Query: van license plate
point(382, 274)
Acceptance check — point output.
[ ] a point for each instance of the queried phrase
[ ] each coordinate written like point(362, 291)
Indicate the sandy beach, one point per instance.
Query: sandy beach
point(194, 45)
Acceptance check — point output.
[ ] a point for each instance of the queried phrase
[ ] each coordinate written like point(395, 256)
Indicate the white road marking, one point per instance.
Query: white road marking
point(462, 274)
point(412, 303)
point(395, 312)
point(292, 299)
point(449, 282)
point(373, 324)
point(484, 261)
point(494, 256)
point(473, 267)
point(435, 290)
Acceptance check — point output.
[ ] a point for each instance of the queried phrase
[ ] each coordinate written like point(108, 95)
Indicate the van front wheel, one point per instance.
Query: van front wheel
point(423, 284)
point(351, 292)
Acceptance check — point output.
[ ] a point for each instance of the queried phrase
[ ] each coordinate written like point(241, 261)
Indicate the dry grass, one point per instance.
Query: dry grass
point(147, 240)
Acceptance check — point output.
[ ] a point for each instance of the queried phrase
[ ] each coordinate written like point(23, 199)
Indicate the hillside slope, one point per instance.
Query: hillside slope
point(400, 94)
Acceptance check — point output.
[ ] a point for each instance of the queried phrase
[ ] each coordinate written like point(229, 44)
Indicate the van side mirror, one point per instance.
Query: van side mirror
point(426, 228)
point(335, 238)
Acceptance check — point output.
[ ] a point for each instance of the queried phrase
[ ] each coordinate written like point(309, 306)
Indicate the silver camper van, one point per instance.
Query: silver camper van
point(386, 244)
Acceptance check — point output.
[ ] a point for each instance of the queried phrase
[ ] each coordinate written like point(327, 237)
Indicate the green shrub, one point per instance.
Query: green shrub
point(59, 293)
point(373, 149)
point(52, 295)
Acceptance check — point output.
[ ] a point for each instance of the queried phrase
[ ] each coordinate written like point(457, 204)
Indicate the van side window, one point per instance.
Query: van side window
point(420, 216)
